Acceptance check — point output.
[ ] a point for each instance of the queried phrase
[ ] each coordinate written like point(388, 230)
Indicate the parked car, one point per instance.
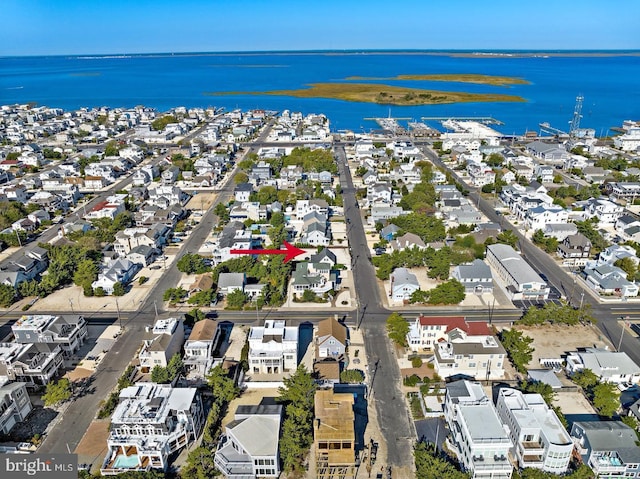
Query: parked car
point(624, 386)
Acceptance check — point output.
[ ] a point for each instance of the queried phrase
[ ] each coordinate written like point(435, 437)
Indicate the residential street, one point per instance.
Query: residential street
point(393, 415)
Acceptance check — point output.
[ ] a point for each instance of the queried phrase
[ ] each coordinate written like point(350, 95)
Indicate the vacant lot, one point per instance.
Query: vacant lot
point(556, 341)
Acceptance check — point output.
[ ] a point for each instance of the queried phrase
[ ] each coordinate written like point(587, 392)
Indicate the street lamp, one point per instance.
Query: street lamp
point(71, 304)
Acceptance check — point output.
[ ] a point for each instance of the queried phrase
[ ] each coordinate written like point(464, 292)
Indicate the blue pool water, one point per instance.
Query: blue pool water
point(126, 462)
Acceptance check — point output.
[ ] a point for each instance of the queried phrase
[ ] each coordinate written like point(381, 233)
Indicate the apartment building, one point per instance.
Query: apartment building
point(539, 438)
point(151, 422)
point(481, 440)
point(68, 332)
point(520, 279)
point(334, 435)
point(273, 348)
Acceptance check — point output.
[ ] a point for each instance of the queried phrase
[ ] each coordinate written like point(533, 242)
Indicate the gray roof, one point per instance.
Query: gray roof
point(477, 269)
point(546, 376)
point(518, 268)
point(612, 436)
point(607, 363)
point(404, 276)
point(234, 280)
point(258, 435)
point(483, 422)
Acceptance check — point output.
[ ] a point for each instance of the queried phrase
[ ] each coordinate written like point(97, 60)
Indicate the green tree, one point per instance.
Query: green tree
point(606, 399)
point(200, 464)
point(628, 266)
point(494, 160)
point(309, 296)
point(297, 394)
point(111, 149)
point(430, 465)
point(450, 292)
point(86, 272)
point(193, 317)
point(174, 367)
point(236, 299)
point(507, 237)
point(57, 392)
point(173, 295)
point(8, 295)
point(191, 263)
point(161, 122)
point(518, 347)
point(397, 328)
point(537, 387)
point(267, 195)
point(202, 298)
point(586, 379)
point(352, 376)
point(241, 177)
point(118, 289)
point(222, 387)
point(159, 375)
point(222, 213)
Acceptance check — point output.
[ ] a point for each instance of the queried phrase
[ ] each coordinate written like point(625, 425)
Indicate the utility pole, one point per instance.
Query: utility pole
point(624, 322)
point(19, 240)
point(71, 304)
point(155, 306)
point(119, 318)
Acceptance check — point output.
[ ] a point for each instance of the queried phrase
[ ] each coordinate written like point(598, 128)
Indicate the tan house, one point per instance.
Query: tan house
point(202, 282)
point(331, 340)
point(334, 434)
point(199, 348)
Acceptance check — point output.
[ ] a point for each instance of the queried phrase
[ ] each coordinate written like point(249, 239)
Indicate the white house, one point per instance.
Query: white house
point(606, 211)
point(539, 438)
point(609, 366)
point(403, 284)
point(160, 343)
point(537, 218)
point(150, 423)
point(249, 446)
point(273, 348)
point(482, 442)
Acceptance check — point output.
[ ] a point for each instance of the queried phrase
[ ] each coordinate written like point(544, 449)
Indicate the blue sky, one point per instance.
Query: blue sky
point(55, 27)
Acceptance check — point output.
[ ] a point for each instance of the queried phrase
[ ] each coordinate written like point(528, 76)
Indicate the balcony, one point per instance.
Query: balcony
point(233, 464)
point(492, 463)
point(607, 463)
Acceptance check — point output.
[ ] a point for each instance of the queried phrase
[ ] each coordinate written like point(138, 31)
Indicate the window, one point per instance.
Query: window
point(472, 365)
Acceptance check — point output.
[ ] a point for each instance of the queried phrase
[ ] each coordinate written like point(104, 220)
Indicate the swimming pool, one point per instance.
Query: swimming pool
point(126, 462)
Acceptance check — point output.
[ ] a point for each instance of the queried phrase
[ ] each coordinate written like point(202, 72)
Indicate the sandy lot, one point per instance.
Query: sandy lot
point(201, 201)
point(555, 341)
point(72, 298)
point(573, 402)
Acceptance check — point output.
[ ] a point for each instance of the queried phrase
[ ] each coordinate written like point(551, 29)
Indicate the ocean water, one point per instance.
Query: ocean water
point(609, 84)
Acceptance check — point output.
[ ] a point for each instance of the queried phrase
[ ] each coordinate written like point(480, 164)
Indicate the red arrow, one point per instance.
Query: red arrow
point(289, 251)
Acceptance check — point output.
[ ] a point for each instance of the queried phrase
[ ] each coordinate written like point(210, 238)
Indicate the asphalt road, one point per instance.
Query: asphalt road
point(393, 414)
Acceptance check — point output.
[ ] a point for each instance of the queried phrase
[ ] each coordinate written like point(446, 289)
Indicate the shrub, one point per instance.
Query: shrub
point(416, 361)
